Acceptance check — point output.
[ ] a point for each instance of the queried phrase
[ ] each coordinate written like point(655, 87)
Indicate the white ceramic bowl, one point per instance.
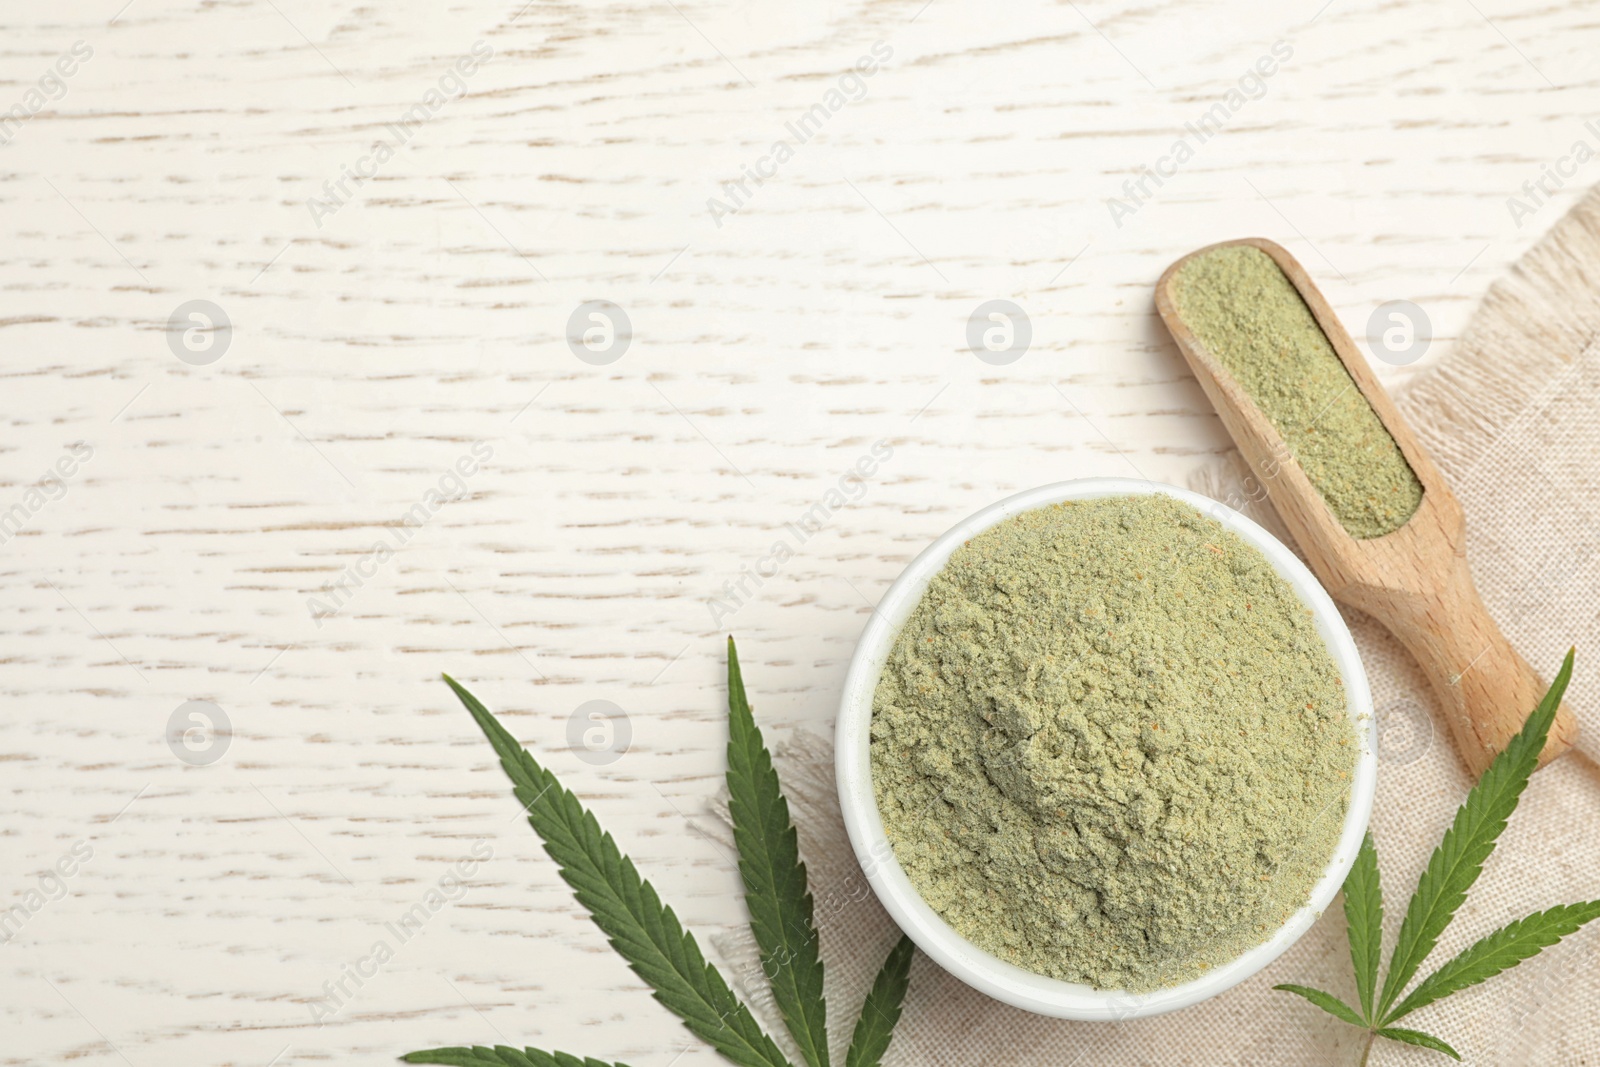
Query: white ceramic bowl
point(988, 973)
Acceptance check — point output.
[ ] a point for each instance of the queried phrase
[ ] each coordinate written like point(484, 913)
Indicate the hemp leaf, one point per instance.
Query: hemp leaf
point(1363, 916)
point(647, 934)
point(1442, 889)
point(503, 1056)
point(881, 1010)
point(774, 878)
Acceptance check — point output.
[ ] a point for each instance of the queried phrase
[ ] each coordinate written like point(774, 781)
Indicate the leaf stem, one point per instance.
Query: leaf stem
point(1366, 1053)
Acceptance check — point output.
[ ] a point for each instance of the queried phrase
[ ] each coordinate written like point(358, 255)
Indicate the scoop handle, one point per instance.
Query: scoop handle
point(1485, 689)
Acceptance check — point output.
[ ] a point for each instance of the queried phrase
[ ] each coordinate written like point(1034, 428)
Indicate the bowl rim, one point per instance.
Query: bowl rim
point(987, 973)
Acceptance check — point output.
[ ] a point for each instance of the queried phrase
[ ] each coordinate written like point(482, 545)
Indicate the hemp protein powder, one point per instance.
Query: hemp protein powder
point(1246, 312)
point(1110, 746)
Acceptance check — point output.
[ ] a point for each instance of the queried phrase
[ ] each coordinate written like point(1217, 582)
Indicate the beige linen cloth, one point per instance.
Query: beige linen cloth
point(1513, 419)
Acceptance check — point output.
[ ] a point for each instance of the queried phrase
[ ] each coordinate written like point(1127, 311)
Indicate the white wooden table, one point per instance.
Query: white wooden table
point(381, 334)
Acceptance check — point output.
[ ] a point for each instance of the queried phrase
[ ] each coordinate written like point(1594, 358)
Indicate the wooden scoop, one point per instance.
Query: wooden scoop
point(1415, 580)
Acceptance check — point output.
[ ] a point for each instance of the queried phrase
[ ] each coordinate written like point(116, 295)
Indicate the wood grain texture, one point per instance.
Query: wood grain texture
point(369, 353)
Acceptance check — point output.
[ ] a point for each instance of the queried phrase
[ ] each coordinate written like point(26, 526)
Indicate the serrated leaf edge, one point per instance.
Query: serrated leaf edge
point(1418, 1038)
point(572, 836)
point(1468, 842)
point(880, 1009)
point(1363, 913)
point(1478, 962)
point(502, 1056)
point(780, 905)
point(1327, 1002)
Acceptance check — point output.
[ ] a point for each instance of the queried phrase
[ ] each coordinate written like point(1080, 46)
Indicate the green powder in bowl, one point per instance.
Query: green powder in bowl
point(1109, 744)
point(1244, 310)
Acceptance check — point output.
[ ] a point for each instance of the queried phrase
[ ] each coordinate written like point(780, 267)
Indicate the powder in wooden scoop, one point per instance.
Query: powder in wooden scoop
point(1110, 745)
point(1248, 315)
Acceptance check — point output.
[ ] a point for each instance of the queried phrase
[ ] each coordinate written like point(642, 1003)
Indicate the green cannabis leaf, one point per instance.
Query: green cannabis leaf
point(1442, 889)
point(774, 878)
point(643, 930)
point(647, 934)
point(1363, 915)
point(1459, 859)
point(1327, 1002)
point(503, 1056)
point(881, 1010)
point(1505, 948)
point(1417, 1037)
